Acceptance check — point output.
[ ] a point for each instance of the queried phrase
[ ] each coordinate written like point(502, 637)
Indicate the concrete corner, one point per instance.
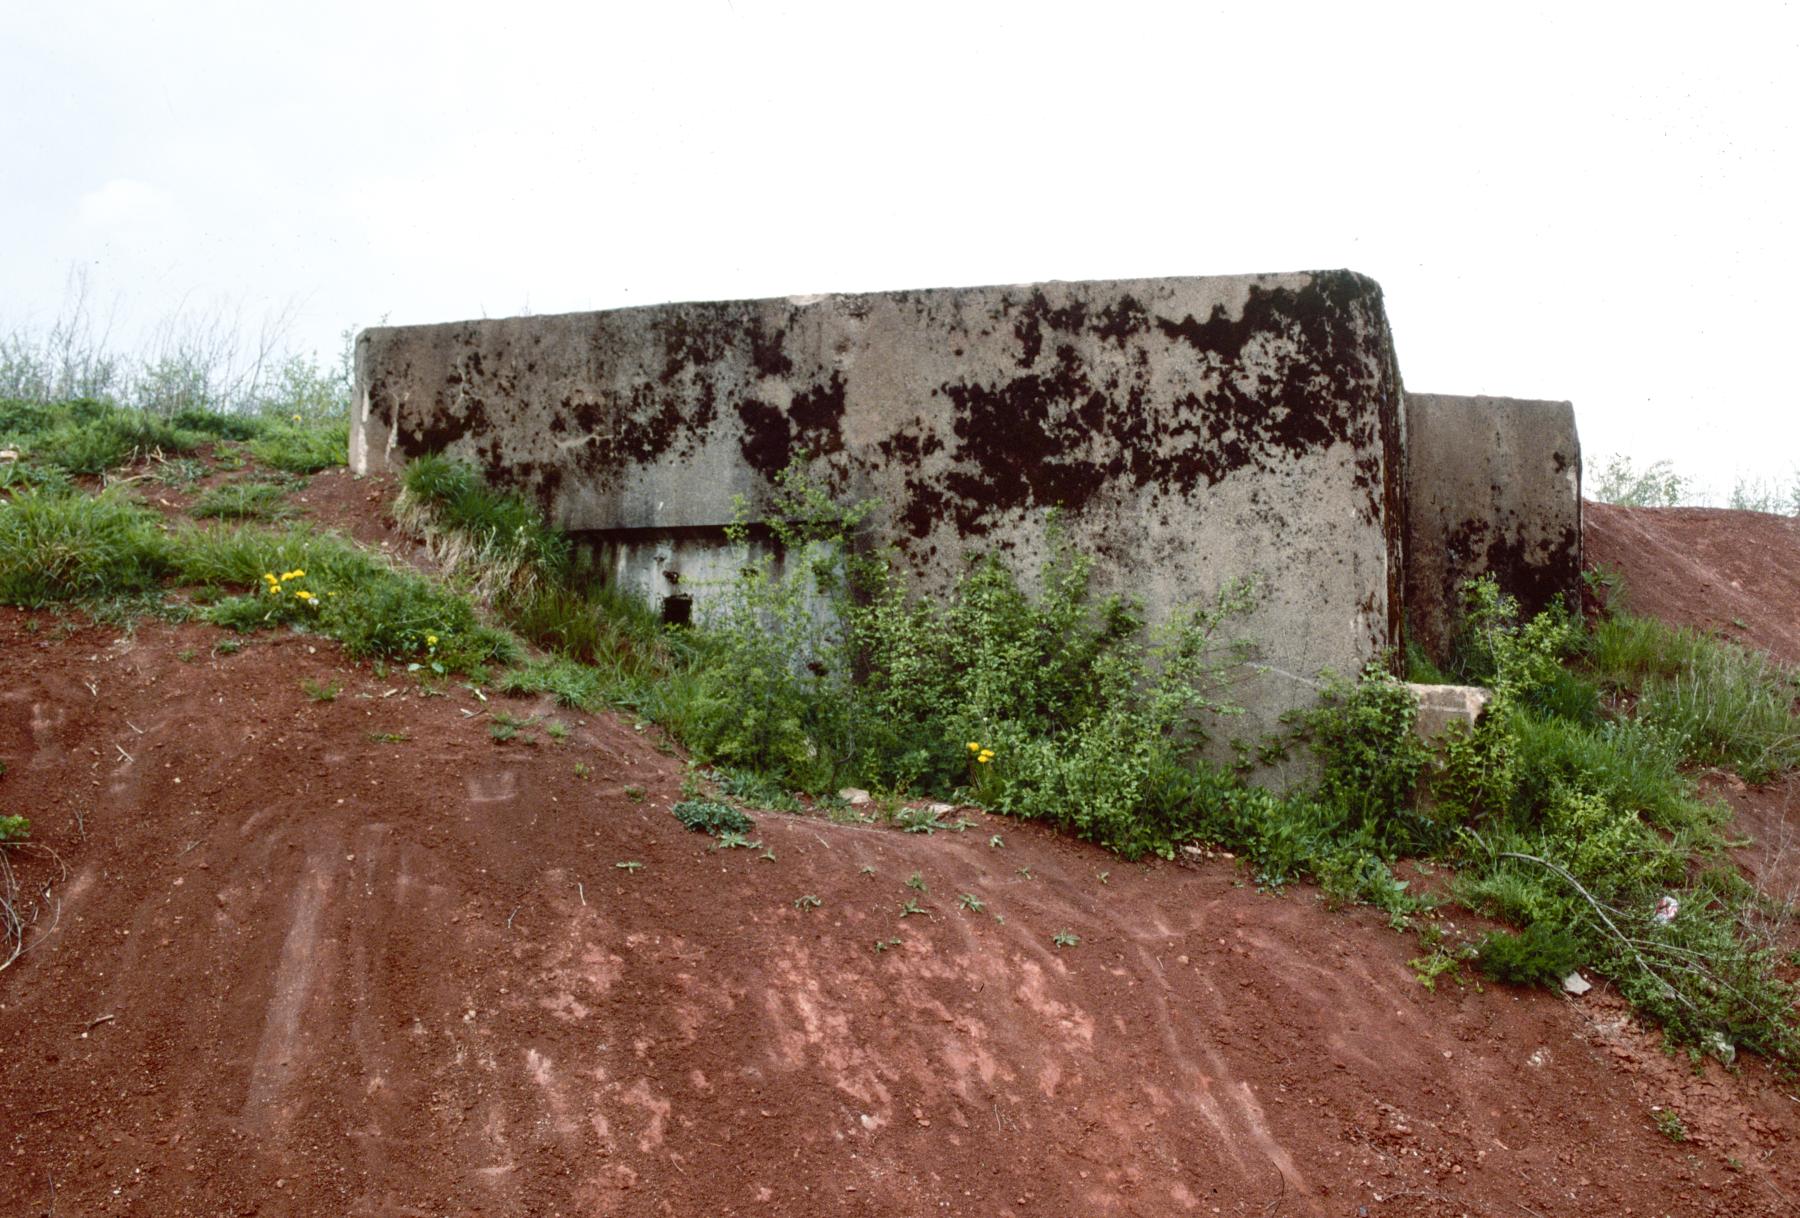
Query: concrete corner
point(1493, 485)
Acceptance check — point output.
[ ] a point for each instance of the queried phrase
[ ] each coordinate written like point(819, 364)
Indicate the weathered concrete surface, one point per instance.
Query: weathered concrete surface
point(1492, 485)
point(1192, 431)
point(1442, 705)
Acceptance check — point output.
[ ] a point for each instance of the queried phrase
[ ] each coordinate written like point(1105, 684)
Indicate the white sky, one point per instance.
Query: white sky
point(1583, 201)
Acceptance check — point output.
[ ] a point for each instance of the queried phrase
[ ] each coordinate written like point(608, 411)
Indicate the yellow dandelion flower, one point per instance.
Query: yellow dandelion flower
point(304, 595)
point(296, 418)
point(269, 576)
point(431, 640)
point(983, 758)
point(974, 747)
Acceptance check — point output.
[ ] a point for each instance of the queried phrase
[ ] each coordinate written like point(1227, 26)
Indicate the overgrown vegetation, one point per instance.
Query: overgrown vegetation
point(81, 548)
point(70, 405)
point(605, 648)
point(710, 816)
point(1620, 480)
point(1077, 715)
point(89, 437)
point(201, 359)
point(1580, 823)
point(1569, 811)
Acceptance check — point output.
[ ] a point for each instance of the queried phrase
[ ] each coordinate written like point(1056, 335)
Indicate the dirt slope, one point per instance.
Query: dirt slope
point(1734, 572)
point(303, 970)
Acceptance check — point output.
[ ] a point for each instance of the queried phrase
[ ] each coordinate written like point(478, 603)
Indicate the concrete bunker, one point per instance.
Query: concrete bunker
point(1492, 485)
point(1190, 432)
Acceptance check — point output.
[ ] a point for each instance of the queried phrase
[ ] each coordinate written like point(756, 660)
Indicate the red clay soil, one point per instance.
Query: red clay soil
point(355, 957)
point(1737, 573)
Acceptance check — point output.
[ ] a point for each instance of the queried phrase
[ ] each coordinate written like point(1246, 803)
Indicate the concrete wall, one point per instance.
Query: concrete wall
point(1492, 484)
point(1192, 431)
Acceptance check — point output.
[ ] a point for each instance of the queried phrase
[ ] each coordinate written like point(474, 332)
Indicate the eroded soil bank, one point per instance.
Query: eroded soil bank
point(356, 957)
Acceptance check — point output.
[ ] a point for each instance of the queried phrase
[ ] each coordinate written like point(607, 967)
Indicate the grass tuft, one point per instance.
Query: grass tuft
point(303, 446)
point(495, 541)
point(72, 547)
point(243, 501)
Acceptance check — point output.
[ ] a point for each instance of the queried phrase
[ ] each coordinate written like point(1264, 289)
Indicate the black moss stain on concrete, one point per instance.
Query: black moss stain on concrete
point(911, 447)
point(1538, 571)
point(644, 424)
point(1058, 432)
point(696, 336)
point(1125, 318)
point(768, 352)
point(459, 407)
point(1052, 436)
point(1037, 314)
point(1024, 443)
point(812, 424)
point(767, 441)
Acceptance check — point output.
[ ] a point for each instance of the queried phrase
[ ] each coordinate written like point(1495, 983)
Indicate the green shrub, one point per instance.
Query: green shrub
point(14, 829)
point(706, 816)
point(1078, 708)
point(1539, 955)
point(1371, 758)
point(1618, 480)
point(1561, 813)
point(71, 547)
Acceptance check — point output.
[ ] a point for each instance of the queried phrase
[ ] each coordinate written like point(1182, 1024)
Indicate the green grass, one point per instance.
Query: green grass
point(93, 549)
point(302, 447)
point(494, 540)
point(179, 472)
point(1730, 706)
point(90, 437)
point(221, 426)
point(86, 436)
point(606, 648)
point(71, 547)
point(243, 501)
point(570, 683)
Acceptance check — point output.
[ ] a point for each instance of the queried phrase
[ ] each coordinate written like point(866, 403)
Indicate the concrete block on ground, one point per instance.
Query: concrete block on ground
point(1442, 705)
point(1492, 485)
point(1189, 431)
